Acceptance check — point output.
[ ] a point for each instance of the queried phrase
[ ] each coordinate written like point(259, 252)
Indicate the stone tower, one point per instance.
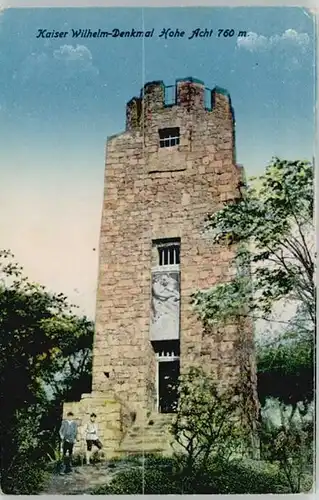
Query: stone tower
point(174, 164)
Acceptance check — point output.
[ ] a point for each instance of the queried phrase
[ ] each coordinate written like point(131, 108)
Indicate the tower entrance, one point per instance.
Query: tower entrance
point(168, 373)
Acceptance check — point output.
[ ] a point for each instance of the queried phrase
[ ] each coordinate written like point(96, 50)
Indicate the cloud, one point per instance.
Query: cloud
point(252, 42)
point(290, 38)
point(70, 53)
point(78, 58)
point(64, 63)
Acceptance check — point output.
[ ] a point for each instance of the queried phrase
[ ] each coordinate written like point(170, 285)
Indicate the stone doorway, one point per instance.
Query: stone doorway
point(168, 373)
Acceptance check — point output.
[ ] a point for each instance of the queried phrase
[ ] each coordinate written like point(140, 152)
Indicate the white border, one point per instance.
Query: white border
point(312, 5)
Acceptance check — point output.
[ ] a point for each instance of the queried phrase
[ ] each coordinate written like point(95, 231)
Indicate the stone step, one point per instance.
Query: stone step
point(146, 437)
point(153, 428)
point(148, 430)
point(140, 441)
point(158, 425)
point(145, 444)
point(161, 417)
point(142, 445)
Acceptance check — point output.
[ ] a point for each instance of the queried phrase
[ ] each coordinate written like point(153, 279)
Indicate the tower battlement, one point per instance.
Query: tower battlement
point(187, 93)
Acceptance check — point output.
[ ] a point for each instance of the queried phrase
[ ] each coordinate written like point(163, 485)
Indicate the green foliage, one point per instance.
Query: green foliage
point(219, 478)
point(286, 369)
point(26, 476)
point(139, 481)
point(167, 463)
point(275, 218)
point(290, 446)
point(208, 429)
point(225, 300)
point(39, 334)
point(236, 477)
point(207, 422)
point(45, 358)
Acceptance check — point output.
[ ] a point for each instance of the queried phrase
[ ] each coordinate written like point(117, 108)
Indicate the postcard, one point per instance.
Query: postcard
point(157, 257)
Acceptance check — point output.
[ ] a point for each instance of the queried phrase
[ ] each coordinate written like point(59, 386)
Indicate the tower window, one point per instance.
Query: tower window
point(166, 252)
point(168, 137)
point(169, 255)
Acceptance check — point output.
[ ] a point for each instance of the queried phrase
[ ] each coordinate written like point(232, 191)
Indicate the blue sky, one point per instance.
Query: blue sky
point(61, 98)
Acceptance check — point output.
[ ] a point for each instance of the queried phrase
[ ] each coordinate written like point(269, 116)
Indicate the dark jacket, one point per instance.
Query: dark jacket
point(68, 431)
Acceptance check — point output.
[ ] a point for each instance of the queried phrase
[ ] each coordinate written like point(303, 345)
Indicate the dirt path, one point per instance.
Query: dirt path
point(83, 479)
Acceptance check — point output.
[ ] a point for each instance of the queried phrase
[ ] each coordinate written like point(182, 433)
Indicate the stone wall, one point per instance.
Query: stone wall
point(109, 420)
point(154, 193)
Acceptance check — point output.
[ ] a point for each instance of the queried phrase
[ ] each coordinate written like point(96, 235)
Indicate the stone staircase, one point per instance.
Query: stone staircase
point(150, 435)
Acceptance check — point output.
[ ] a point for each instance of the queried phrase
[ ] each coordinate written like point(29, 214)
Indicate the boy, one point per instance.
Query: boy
point(91, 437)
point(68, 435)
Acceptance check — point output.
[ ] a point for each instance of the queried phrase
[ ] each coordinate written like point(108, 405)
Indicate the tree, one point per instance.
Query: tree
point(271, 226)
point(285, 366)
point(207, 422)
point(40, 337)
point(289, 444)
point(271, 229)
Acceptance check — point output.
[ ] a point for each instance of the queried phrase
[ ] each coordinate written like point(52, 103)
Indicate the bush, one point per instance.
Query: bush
point(161, 482)
point(289, 445)
point(239, 477)
point(138, 481)
point(249, 477)
point(208, 420)
point(25, 477)
point(126, 482)
point(129, 459)
point(164, 463)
